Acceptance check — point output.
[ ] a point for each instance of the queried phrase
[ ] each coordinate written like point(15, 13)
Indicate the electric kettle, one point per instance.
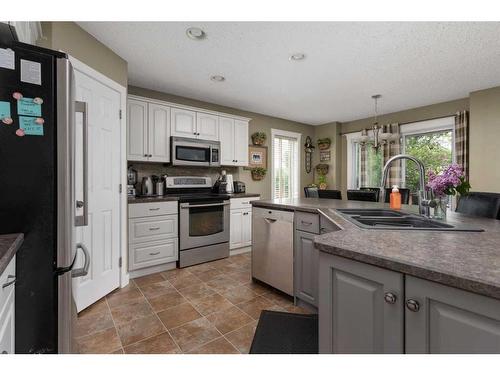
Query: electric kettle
point(147, 186)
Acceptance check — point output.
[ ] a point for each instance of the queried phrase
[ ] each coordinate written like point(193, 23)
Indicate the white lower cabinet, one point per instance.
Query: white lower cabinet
point(240, 222)
point(153, 234)
point(368, 309)
point(7, 309)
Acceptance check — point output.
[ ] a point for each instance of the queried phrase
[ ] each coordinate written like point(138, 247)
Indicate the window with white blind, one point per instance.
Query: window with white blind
point(285, 164)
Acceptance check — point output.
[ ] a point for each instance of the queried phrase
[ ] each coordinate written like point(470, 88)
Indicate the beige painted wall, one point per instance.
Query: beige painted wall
point(485, 140)
point(410, 115)
point(259, 122)
point(72, 39)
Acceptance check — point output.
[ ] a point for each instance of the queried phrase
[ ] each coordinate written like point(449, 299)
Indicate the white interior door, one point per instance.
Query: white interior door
point(102, 235)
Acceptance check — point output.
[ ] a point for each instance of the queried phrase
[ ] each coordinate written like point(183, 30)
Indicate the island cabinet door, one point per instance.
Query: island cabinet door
point(306, 259)
point(442, 319)
point(360, 307)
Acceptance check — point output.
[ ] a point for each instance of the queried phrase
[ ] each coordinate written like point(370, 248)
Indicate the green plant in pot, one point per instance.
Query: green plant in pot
point(258, 173)
point(322, 185)
point(259, 138)
point(324, 143)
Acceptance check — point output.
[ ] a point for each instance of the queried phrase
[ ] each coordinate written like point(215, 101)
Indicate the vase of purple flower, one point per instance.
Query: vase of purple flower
point(450, 182)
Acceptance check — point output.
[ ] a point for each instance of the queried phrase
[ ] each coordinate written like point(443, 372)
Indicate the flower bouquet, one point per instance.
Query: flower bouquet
point(451, 181)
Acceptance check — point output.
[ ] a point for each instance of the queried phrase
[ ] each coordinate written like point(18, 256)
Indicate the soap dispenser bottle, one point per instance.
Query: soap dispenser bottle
point(395, 198)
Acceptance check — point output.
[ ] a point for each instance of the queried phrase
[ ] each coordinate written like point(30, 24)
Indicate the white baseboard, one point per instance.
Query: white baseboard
point(241, 250)
point(154, 269)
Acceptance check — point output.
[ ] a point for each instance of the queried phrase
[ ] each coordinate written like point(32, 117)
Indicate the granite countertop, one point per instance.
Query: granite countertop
point(168, 198)
point(9, 244)
point(465, 260)
point(152, 199)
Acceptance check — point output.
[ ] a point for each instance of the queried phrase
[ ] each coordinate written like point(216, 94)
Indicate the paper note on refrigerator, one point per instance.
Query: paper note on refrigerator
point(7, 58)
point(27, 107)
point(4, 110)
point(29, 126)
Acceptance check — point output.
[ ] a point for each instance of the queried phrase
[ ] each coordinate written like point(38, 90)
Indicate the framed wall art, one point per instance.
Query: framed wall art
point(257, 157)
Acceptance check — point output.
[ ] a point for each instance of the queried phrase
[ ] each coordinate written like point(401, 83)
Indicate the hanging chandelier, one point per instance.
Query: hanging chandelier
point(377, 139)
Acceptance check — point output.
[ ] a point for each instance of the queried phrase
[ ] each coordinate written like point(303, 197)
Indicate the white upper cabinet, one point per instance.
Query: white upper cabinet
point(183, 123)
point(151, 123)
point(158, 129)
point(241, 143)
point(234, 141)
point(137, 130)
point(226, 134)
point(207, 126)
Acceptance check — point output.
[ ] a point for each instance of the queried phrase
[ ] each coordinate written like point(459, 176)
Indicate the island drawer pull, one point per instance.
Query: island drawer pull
point(154, 253)
point(9, 283)
point(154, 209)
point(306, 222)
point(154, 228)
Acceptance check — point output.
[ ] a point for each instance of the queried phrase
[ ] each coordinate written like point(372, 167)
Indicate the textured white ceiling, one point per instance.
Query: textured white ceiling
point(411, 64)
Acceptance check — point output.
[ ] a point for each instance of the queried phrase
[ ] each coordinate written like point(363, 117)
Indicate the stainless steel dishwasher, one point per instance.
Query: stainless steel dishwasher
point(272, 248)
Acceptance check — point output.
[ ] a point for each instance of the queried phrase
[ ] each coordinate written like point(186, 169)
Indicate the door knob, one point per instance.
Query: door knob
point(412, 305)
point(390, 298)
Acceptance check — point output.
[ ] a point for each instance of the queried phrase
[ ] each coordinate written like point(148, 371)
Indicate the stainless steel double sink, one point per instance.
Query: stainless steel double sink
point(391, 219)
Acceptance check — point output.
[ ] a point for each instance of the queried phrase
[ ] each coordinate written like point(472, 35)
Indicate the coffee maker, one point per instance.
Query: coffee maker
point(131, 181)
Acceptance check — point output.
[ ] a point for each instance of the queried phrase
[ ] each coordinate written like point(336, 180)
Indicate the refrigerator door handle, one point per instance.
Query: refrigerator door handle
point(81, 221)
point(79, 272)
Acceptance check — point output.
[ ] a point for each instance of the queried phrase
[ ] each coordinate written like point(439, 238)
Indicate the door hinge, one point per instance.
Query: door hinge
point(120, 188)
point(120, 114)
point(120, 262)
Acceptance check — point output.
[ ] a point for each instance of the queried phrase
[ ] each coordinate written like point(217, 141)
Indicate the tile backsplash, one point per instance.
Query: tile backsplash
point(148, 169)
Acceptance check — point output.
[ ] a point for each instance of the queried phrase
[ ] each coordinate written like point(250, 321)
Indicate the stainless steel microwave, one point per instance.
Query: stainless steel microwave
point(195, 152)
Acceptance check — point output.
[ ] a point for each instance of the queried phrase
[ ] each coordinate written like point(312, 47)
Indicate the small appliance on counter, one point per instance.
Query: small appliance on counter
point(147, 186)
point(229, 186)
point(131, 181)
point(220, 186)
point(239, 187)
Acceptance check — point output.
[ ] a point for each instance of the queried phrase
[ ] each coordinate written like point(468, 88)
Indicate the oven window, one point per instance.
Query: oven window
point(187, 153)
point(204, 221)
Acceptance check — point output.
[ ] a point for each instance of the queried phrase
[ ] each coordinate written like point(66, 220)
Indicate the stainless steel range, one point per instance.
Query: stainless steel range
point(203, 220)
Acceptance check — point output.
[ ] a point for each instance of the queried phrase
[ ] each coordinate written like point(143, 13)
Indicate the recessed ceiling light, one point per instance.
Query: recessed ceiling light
point(297, 57)
point(196, 33)
point(218, 78)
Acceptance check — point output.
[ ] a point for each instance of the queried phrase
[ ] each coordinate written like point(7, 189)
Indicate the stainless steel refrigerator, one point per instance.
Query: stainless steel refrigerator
point(37, 190)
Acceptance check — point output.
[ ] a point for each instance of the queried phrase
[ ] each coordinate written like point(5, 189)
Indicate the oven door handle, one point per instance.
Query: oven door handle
point(187, 205)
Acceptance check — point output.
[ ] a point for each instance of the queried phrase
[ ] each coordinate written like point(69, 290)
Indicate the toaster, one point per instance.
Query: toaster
point(238, 187)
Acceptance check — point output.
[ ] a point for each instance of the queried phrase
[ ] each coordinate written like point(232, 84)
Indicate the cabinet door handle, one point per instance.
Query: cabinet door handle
point(390, 298)
point(5, 352)
point(154, 209)
point(154, 253)
point(145, 155)
point(412, 305)
point(306, 222)
point(9, 283)
point(154, 228)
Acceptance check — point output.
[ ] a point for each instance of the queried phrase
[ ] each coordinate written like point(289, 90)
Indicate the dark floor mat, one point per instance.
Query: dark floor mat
point(285, 333)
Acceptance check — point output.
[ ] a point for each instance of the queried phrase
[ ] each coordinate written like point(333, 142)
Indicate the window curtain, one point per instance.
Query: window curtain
point(363, 173)
point(462, 140)
point(390, 149)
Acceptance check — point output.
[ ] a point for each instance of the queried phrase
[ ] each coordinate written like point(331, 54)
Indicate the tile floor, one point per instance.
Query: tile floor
point(207, 308)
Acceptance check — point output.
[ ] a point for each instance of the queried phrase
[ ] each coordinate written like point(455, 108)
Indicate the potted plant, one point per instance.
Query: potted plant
point(258, 173)
point(324, 143)
point(322, 185)
point(451, 181)
point(259, 138)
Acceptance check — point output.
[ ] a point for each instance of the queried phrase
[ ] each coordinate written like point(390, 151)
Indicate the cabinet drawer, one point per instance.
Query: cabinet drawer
point(152, 229)
point(153, 253)
point(4, 278)
point(237, 203)
point(151, 209)
point(306, 221)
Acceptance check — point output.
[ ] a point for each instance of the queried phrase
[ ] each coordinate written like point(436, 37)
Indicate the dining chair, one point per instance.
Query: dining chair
point(330, 194)
point(362, 195)
point(311, 192)
point(480, 204)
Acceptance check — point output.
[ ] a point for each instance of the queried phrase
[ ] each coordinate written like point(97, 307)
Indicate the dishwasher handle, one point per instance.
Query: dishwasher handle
point(269, 220)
